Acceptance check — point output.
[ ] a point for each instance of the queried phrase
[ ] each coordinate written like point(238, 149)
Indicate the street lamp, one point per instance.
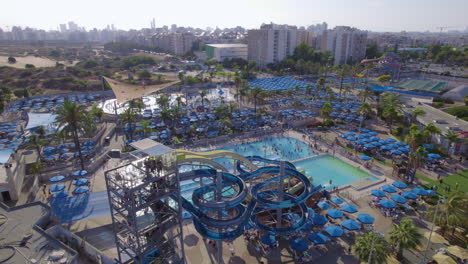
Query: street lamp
point(441, 199)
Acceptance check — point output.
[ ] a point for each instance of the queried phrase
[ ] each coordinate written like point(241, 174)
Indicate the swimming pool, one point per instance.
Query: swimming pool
point(325, 168)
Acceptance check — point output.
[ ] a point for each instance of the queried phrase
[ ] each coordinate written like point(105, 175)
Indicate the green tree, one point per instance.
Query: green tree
point(163, 102)
point(365, 94)
point(417, 112)
point(29, 66)
point(11, 60)
point(37, 142)
point(344, 71)
point(144, 75)
point(371, 241)
point(452, 213)
point(96, 112)
point(145, 127)
point(320, 85)
point(37, 168)
point(326, 110)
point(72, 118)
point(365, 109)
point(431, 130)
point(372, 51)
point(390, 114)
point(129, 117)
point(256, 95)
point(203, 95)
point(452, 138)
point(405, 236)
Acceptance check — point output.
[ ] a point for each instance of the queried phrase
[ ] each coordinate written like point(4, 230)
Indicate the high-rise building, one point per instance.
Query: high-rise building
point(306, 37)
point(177, 43)
point(72, 26)
point(173, 28)
point(63, 27)
point(347, 45)
point(271, 43)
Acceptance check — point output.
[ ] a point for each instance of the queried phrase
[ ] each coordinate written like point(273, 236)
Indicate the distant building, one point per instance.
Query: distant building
point(72, 26)
point(271, 43)
point(63, 28)
point(221, 52)
point(306, 37)
point(176, 43)
point(347, 45)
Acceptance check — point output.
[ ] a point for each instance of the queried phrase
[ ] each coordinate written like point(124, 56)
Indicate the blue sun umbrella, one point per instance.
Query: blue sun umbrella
point(385, 147)
point(431, 192)
point(81, 189)
point(318, 238)
point(373, 133)
point(365, 130)
point(369, 146)
point(364, 157)
point(63, 150)
point(334, 230)
point(420, 191)
point(409, 195)
point(57, 178)
point(434, 156)
point(387, 203)
point(319, 219)
point(268, 240)
point(337, 200)
point(310, 211)
point(299, 245)
point(81, 181)
point(389, 189)
point(351, 138)
point(378, 193)
point(60, 194)
point(400, 185)
point(57, 187)
point(391, 140)
point(335, 213)
point(350, 224)
point(323, 205)
point(349, 208)
point(398, 198)
point(360, 142)
point(80, 173)
point(365, 218)
point(308, 226)
point(396, 152)
point(87, 148)
point(49, 149)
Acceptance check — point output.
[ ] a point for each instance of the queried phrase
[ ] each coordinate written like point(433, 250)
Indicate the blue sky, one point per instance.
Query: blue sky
point(376, 15)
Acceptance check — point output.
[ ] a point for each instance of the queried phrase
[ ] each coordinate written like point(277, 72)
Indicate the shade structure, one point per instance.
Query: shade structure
point(49, 149)
point(409, 195)
point(435, 238)
point(60, 194)
point(387, 203)
point(365, 218)
point(299, 245)
point(364, 157)
point(81, 189)
point(81, 181)
point(268, 240)
point(80, 173)
point(431, 192)
point(349, 208)
point(350, 224)
point(323, 205)
point(57, 187)
point(378, 193)
point(57, 178)
point(398, 198)
point(434, 156)
point(458, 252)
point(400, 185)
point(337, 200)
point(420, 191)
point(319, 219)
point(334, 230)
point(389, 189)
point(443, 259)
point(396, 152)
point(308, 226)
point(335, 213)
point(318, 238)
point(365, 130)
point(391, 140)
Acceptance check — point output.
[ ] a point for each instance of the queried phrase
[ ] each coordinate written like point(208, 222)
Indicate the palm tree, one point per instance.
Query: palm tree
point(452, 213)
point(136, 105)
point(405, 236)
point(415, 137)
point(417, 112)
point(179, 101)
point(256, 95)
point(326, 110)
point(166, 116)
point(145, 127)
point(37, 168)
point(71, 119)
point(366, 93)
point(416, 157)
point(37, 142)
point(430, 130)
point(96, 112)
point(308, 89)
point(452, 138)
point(129, 117)
point(163, 101)
point(203, 95)
point(365, 110)
point(320, 85)
point(379, 246)
point(41, 131)
point(343, 73)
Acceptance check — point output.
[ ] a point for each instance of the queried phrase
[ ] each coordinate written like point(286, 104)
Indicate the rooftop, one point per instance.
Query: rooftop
point(232, 45)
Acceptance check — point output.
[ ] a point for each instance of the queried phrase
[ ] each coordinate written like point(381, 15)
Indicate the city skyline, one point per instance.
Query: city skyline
point(362, 14)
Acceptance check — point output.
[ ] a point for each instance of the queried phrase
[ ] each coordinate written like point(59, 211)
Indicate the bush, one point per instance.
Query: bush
point(29, 66)
point(444, 100)
point(11, 60)
point(90, 64)
point(25, 74)
point(19, 93)
point(438, 104)
point(130, 62)
point(458, 111)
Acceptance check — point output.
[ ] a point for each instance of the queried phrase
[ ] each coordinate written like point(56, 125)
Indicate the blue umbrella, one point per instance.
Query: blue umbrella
point(323, 205)
point(268, 240)
point(57, 187)
point(389, 189)
point(60, 194)
point(364, 157)
point(431, 192)
point(369, 146)
point(334, 230)
point(318, 238)
point(335, 213)
point(49, 149)
point(299, 245)
point(81, 181)
point(365, 218)
point(360, 142)
point(63, 150)
point(365, 130)
point(378, 193)
point(87, 148)
point(400, 185)
point(80, 173)
point(434, 156)
point(396, 152)
point(385, 147)
point(373, 133)
point(310, 211)
point(308, 226)
point(391, 140)
point(57, 178)
point(351, 138)
point(319, 219)
point(420, 191)
point(398, 198)
point(387, 203)
point(350, 224)
point(349, 208)
point(81, 189)
point(409, 195)
point(337, 200)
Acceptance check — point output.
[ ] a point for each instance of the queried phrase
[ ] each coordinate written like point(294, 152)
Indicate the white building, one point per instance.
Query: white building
point(221, 52)
point(347, 45)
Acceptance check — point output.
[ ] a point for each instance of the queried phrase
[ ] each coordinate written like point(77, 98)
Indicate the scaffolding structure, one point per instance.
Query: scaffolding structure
point(146, 211)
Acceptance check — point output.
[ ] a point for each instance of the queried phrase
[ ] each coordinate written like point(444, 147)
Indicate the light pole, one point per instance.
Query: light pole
point(432, 229)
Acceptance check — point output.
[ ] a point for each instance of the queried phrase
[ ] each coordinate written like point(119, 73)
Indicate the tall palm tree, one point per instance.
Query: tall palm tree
point(320, 85)
point(256, 95)
point(431, 130)
point(417, 112)
point(129, 117)
point(145, 127)
point(326, 110)
point(96, 112)
point(163, 101)
point(37, 142)
point(415, 137)
point(166, 116)
point(71, 119)
point(390, 114)
point(405, 236)
point(308, 89)
point(379, 246)
point(203, 95)
point(452, 213)
point(365, 94)
point(417, 157)
point(344, 71)
point(365, 110)
point(452, 138)
point(179, 101)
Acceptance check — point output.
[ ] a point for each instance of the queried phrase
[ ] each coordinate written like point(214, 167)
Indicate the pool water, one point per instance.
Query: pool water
point(325, 168)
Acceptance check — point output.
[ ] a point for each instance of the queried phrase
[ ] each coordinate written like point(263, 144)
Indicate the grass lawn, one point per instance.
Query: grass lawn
point(461, 178)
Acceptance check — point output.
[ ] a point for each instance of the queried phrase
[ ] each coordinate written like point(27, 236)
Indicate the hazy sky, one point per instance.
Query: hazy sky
point(376, 15)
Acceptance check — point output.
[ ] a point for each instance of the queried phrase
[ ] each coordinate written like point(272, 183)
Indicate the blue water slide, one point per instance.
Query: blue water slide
point(264, 160)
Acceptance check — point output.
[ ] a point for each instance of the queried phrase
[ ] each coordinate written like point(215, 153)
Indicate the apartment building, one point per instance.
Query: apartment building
point(176, 43)
point(347, 45)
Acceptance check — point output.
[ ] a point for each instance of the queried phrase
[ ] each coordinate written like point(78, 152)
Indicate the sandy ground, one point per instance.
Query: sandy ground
point(22, 61)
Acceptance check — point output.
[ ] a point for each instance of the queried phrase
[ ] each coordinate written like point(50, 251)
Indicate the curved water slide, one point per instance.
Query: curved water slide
point(216, 154)
point(264, 160)
point(201, 161)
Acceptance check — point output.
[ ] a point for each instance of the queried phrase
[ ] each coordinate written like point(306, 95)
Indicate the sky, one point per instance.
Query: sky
point(375, 15)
